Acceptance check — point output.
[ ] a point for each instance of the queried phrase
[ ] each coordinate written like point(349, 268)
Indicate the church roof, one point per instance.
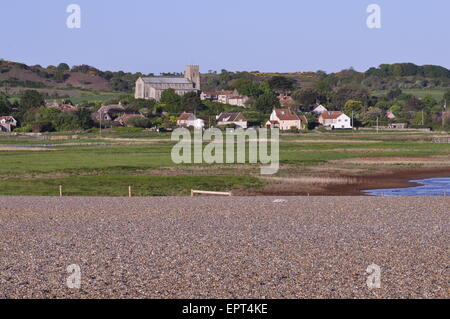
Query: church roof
point(160, 79)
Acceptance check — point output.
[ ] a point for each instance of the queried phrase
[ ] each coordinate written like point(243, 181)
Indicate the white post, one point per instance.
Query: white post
point(60, 191)
point(129, 191)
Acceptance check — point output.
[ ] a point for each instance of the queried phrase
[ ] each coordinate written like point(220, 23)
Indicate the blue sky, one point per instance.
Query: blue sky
point(269, 36)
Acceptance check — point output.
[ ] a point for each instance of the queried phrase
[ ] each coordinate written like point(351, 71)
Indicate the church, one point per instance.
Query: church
point(152, 87)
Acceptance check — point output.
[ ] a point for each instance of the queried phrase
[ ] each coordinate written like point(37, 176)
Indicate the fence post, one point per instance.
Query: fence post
point(129, 191)
point(60, 191)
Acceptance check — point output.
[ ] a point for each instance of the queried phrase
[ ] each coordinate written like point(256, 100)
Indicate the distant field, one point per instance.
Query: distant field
point(107, 165)
point(437, 94)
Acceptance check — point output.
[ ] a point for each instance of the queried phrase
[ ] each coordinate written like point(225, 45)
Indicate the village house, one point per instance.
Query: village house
point(238, 100)
point(152, 87)
point(6, 122)
point(335, 120)
point(108, 112)
point(62, 107)
point(319, 109)
point(286, 119)
point(285, 100)
point(236, 119)
point(190, 120)
point(398, 126)
point(390, 115)
point(225, 97)
point(213, 96)
point(122, 120)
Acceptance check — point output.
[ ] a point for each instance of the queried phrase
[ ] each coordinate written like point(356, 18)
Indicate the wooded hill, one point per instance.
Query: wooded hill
point(15, 76)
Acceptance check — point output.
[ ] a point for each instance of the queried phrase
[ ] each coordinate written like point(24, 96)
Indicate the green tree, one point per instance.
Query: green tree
point(5, 105)
point(171, 100)
point(350, 92)
point(447, 97)
point(31, 99)
point(306, 96)
point(247, 87)
point(59, 76)
point(428, 102)
point(353, 106)
point(63, 67)
point(137, 104)
point(266, 102)
point(281, 84)
point(138, 121)
point(413, 104)
point(191, 102)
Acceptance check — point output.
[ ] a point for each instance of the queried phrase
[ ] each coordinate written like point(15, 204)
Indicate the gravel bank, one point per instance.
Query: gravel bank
point(239, 247)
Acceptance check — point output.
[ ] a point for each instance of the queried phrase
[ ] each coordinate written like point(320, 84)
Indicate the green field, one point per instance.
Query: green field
point(437, 94)
point(107, 165)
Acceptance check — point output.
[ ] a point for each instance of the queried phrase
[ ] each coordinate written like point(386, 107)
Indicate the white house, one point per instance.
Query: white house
point(225, 97)
point(6, 122)
point(319, 109)
point(190, 120)
point(236, 119)
point(335, 120)
point(285, 119)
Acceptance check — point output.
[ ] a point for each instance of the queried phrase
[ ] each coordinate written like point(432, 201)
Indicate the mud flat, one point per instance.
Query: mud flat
point(239, 247)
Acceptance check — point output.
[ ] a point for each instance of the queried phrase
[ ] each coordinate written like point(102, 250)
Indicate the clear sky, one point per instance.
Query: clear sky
point(269, 36)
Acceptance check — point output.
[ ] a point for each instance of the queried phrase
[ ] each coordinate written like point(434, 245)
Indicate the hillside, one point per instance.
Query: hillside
point(15, 75)
point(63, 80)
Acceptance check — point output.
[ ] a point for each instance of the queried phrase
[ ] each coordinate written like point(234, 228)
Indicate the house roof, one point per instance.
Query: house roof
point(285, 99)
point(166, 80)
point(185, 116)
point(223, 92)
point(125, 117)
point(320, 107)
point(6, 117)
point(230, 117)
point(331, 115)
point(303, 119)
point(286, 115)
point(109, 108)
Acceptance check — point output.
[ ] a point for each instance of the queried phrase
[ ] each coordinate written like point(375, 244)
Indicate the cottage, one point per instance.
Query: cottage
point(225, 97)
point(286, 119)
point(6, 122)
point(152, 87)
point(398, 126)
point(108, 112)
point(122, 120)
point(190, 120)
point(285, 100)
point(319, 109)
point(214, 96)
point(238, 100)
point(236, 119)
point(335, 120)
point(390, 115)
point(62, 107)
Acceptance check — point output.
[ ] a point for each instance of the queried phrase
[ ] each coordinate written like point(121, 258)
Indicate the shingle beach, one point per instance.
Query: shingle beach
point(214, 247)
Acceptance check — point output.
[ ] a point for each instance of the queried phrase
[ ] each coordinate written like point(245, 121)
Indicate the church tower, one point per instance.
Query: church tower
point(192, 73)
